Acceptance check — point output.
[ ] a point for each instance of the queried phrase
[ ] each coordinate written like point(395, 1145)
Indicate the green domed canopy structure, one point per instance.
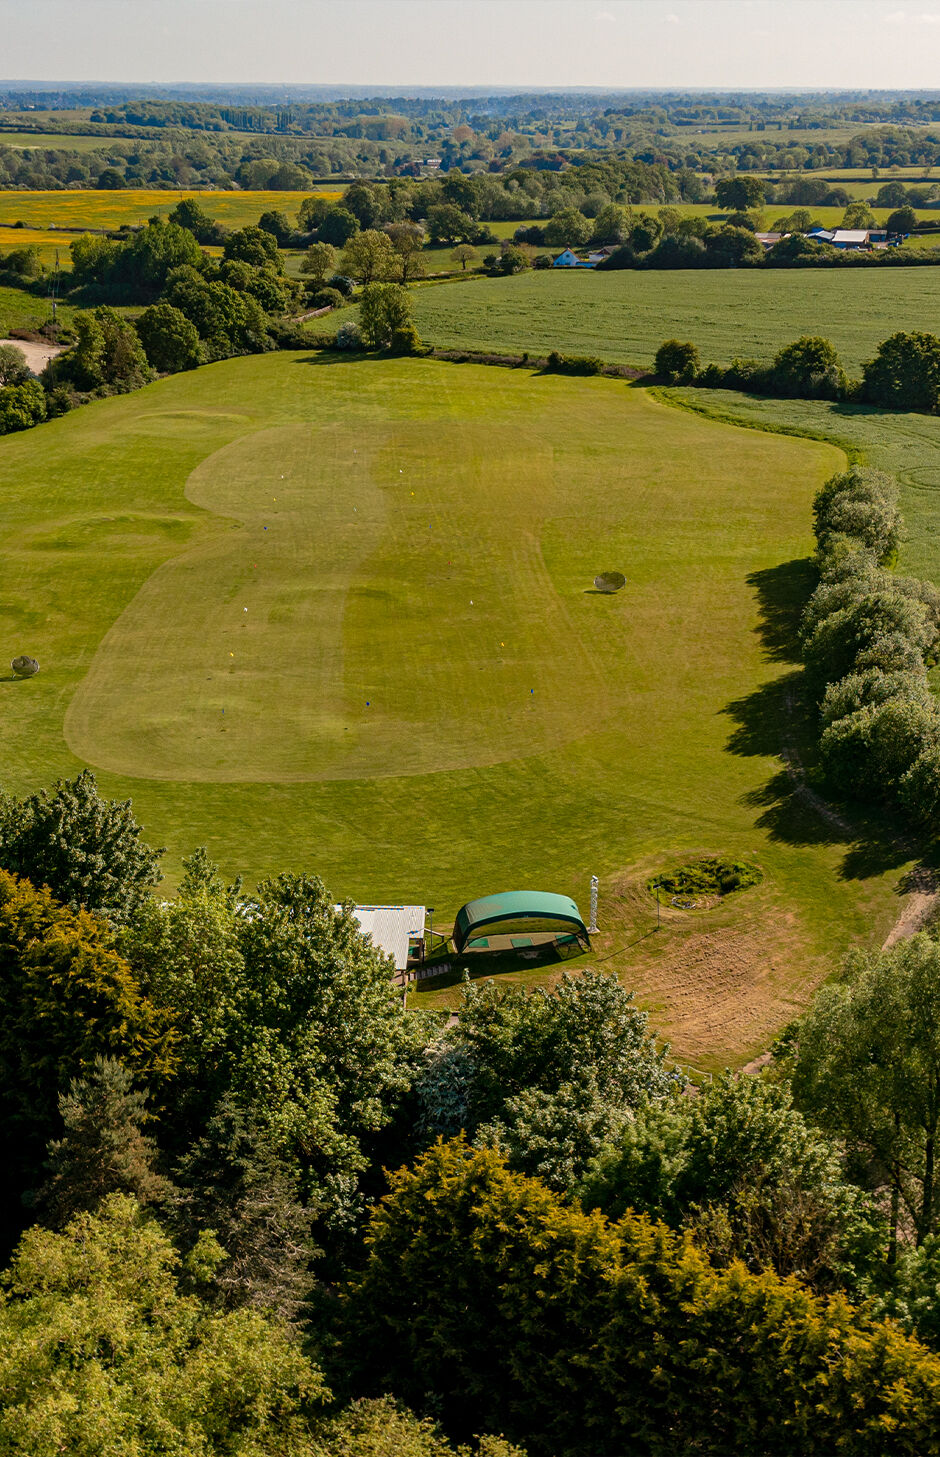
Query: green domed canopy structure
point(517, 912)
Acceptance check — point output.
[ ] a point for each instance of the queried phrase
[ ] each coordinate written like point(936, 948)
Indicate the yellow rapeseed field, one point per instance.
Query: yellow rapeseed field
point(45, 211)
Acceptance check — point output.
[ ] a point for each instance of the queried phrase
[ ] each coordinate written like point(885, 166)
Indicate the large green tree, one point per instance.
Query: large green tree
point(905, 373)
point(102, 1350)
point(867, 1067)
point(523, 1314)
point(88, 850)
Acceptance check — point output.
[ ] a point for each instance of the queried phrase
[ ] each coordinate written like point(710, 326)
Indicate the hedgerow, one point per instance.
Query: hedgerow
point(868, 637)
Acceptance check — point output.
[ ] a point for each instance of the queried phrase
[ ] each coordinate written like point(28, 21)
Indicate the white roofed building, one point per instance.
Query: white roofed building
point(393, 929)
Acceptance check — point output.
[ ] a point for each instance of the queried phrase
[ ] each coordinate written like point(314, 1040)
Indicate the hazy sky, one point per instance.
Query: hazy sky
point(733, 43)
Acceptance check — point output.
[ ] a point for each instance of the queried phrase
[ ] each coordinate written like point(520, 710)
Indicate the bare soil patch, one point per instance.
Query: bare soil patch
point(37, 355)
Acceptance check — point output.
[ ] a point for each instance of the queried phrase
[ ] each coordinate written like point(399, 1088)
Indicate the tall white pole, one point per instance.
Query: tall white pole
point(593, 926)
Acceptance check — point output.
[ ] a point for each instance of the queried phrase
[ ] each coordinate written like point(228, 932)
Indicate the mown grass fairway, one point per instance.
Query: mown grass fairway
point(625, 316)
point(337, 615)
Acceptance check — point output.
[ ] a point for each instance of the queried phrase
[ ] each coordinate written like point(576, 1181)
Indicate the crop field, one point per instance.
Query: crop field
point(625, 316)
point(106, 209)
point(338, 615)
point(59, 142)
point(48, 243)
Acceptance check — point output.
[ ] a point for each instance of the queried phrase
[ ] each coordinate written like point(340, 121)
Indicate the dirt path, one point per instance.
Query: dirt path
point(37, 355)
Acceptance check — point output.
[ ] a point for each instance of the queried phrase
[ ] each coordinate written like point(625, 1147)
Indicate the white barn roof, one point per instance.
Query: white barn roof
point(390, 928)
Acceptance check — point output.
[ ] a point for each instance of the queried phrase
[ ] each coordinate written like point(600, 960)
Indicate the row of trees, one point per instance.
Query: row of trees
point(868, 637)
point(198, 1099)
point(903, 375)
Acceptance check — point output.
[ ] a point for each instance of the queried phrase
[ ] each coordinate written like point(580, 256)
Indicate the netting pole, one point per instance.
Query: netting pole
point(593, 926)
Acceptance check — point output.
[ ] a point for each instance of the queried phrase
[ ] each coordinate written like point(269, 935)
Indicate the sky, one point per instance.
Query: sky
point(735, 44)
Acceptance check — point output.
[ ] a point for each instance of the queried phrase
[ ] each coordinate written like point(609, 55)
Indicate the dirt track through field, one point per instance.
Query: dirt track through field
point(37, 356)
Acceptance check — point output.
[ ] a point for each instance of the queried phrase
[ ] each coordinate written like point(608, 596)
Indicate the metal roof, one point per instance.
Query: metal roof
point(514, 904)
point(390, 928)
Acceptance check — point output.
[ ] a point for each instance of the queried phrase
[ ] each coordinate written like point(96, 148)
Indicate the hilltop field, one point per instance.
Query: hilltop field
point(337, 615)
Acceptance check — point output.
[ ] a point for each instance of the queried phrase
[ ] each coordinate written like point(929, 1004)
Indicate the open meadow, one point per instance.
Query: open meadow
point(624, 316)
point(338, 615)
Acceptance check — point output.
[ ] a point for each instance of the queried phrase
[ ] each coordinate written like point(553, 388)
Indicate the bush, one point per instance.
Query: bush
point(676, 363)
point(542, 261)
point(708, 876)
point(860, 504)
point(573, 364)
point(406, 340)
point(328, 298)
point(349, 336)
point(342, 284)
point(21, 406)
point(809, 369)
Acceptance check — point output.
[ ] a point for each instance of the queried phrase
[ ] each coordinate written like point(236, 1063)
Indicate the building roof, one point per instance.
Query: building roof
point(850, 235)
point(390, 928)
point(522, 905)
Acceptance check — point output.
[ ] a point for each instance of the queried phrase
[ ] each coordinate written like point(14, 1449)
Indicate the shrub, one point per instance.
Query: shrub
point(573, 364)
point(342, 284)
point(676, 363)
point(406, 340)
point(349, 336)
point(21, 406)
point(860, 504)
point(328, 298)
point(542, 261)
point(708, 876)
point(809, 369)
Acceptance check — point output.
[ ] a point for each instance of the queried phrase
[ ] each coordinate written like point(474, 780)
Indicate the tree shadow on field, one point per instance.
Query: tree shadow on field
point(780, 720)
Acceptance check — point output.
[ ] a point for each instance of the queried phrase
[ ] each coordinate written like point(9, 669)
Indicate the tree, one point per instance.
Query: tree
point(110, 179)
point(363, 202)
point(449, 224)
point(101, 1350)
point(232, 1182)
point(867, 1067)
point(740, 193)
point(463, 254)
point(548, 1078)
point(611, 224)
point(337, 227)
point(319, 261)
point(311, 213)
point(729, 247)
point(103, 1149)
point(279, 1006)
point(407, 240)
point(13, 366)
point(567, 228)
point(85, 367)
point(368, 257)
point(859, 215)
point(66, 997)
point(902, 221)
point(382, 1427)
point(743, 1171)
point(384, 308)
point(89, 851)
point(254, 246)
point(809, 368)
point(170, 341)
point(190, 215)
point(278, 225)
point(675, 362)
point(21, 406)
point(905, 373)
point(482, 1287)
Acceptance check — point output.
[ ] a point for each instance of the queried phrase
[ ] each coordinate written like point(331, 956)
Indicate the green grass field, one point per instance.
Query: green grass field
point(905, 445)
point(337, 615)
point(20, 310)
point(625, 316)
